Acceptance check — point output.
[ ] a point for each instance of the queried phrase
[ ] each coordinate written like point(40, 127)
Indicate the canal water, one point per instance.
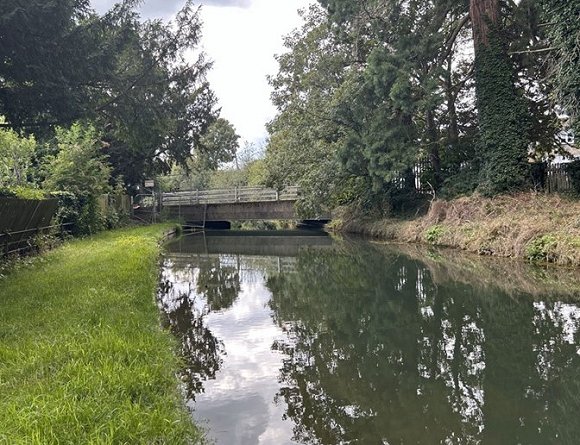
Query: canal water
point(296, 338)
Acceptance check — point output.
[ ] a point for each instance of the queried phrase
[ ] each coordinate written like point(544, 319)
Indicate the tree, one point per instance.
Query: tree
point(503, 118)
point(563, 28)
point(160, 104)
point(219, 144)
point(304, 137)
point(54, 57)
point(61, 62)
point(407, 98)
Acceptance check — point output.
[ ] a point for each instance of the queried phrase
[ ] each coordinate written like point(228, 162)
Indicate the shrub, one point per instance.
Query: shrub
point(22, 193)
point(16, 155)
point(82, 171)
point(541, 249)
point(434, 233)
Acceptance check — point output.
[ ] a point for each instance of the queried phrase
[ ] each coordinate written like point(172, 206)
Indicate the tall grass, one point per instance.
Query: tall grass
point(82, 357)
point(532, 226)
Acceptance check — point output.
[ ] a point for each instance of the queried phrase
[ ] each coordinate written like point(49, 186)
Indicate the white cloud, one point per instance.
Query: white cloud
point(242, 43)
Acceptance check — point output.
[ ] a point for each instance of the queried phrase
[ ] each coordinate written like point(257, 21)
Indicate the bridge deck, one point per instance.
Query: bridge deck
point(229, 196)
point(237, 204)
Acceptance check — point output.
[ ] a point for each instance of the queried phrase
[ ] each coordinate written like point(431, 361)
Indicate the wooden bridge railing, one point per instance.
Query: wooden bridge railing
point(229, 196)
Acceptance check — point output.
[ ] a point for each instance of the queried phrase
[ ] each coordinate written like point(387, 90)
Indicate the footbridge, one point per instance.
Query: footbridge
point(235, 204)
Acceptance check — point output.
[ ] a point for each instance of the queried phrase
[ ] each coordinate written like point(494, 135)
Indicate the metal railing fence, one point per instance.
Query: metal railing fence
point(229, 196)
point(15, 242)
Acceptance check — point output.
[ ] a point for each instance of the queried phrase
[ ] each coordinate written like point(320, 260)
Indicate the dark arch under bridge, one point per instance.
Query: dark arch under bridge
point(236, 204)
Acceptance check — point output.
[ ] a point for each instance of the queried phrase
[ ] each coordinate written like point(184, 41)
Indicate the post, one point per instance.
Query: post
point(6, 244)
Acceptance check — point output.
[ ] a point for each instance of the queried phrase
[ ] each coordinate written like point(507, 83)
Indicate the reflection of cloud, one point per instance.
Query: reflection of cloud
point(236, 421)
point(239, 401)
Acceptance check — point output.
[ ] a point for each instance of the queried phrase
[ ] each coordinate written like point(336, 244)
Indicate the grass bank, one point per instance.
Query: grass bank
point(536, 227)
point(83, 359)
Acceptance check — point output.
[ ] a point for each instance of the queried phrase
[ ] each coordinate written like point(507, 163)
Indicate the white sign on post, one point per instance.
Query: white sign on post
point(149, 183)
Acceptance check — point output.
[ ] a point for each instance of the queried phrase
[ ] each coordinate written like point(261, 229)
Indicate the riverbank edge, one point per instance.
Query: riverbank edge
point(84, 358)
point(530, 226)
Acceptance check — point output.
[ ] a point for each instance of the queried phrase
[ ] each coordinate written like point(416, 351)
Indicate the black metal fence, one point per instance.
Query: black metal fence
point(546, 177)
point(22, 241)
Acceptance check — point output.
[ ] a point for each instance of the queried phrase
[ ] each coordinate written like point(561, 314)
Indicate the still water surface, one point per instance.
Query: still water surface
point(299, 339)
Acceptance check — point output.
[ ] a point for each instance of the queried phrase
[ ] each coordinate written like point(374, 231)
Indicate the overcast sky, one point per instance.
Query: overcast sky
point(241, 37)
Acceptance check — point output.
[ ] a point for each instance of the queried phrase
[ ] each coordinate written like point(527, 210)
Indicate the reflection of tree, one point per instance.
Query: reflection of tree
point(201, 351)
point(353, 370)
point(219, 283)
point(375, 352)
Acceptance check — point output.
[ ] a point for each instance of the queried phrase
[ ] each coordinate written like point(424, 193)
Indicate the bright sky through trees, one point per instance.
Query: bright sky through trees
point(241, 37)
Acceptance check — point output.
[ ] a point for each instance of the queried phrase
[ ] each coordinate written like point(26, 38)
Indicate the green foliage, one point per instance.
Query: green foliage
point(305, 138)
point(256, 173)
point(16, 157)
point(23, 193)
point(79, 167)
point(433, 234)
point(541, 248)
point(219, 144)
point(228, 178)
point(54, 56)
point(369, 88)
point(82, 172)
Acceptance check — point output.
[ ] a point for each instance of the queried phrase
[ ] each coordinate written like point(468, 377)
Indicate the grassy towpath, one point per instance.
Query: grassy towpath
point(82, 357)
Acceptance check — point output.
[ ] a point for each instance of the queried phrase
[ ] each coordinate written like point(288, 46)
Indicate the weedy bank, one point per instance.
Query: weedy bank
point(534, 226)
point(82, 356)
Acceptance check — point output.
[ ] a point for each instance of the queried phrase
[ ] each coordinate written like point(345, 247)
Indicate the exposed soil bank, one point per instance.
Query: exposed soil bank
point(536, 227)
point(83, 358)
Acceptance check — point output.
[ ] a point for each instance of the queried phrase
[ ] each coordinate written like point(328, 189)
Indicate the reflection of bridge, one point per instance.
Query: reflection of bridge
point(250, 253)
point(237, 204)
point(265, 243)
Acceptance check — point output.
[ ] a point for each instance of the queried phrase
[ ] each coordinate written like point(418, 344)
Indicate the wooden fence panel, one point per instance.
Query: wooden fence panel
point(557, 178)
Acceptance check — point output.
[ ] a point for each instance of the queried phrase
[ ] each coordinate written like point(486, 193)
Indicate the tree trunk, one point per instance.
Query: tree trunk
point(483, 14)
point(453, 130)
point(434, 155)
point(502, 114)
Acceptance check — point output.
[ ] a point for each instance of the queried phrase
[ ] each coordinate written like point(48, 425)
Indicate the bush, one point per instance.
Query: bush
point(434, 234)
point(541, 249)
point(16, 155)
point(22, 193)
point(83, 173)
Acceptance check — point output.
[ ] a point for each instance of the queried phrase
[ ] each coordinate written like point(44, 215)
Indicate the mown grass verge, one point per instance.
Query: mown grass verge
point(537, 227)
point(83, 359)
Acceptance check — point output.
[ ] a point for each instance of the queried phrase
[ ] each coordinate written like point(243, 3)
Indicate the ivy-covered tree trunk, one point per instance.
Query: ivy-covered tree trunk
point(503, 119)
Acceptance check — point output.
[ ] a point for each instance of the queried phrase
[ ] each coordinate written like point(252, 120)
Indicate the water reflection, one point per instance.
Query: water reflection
point(353, 343)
